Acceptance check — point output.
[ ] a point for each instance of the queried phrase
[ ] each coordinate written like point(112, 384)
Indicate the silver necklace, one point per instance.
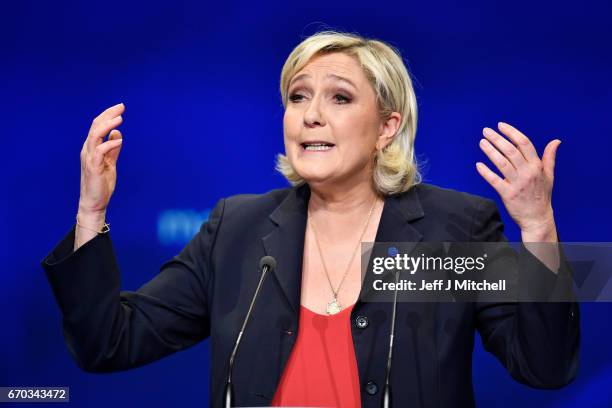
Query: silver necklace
point(333, 306)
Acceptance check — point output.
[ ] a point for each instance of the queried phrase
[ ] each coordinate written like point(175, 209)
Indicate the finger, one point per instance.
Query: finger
point(98, 133)
point(115, 134)
point(520, 140)
point(502, 163)
point(513, 154)
point(111, 112)
point(493, 179)
point(549, 156)
point(108, 114)
point(103, 149)
point(113, 154)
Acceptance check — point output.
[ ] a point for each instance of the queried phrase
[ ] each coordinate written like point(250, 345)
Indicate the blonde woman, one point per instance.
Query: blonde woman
point(349, 129)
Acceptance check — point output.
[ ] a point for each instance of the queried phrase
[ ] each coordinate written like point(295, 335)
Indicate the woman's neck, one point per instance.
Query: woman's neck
point(340, 213)
point(341, 199)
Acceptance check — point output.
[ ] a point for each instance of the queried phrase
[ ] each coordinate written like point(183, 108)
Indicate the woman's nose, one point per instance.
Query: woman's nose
point(312, 115)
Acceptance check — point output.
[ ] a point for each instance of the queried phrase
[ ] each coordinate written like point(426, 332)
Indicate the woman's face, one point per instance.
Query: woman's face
point(332, 126)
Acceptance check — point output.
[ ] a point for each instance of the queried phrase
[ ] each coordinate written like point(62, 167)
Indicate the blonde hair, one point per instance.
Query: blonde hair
point(395, 169)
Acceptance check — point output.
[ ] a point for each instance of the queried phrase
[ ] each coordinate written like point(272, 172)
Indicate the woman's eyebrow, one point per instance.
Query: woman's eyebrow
point(332, 76)
point(341, 79)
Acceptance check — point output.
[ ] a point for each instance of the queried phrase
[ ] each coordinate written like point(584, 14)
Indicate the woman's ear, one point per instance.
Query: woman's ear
point(388, 129)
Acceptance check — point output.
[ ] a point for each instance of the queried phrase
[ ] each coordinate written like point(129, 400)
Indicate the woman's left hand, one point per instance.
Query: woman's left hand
point(526, 190)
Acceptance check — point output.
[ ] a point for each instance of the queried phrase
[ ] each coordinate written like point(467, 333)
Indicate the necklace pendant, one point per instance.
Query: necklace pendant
point(333, 307)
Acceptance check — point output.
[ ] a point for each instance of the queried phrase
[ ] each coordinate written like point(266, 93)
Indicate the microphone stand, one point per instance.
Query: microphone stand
point(266, 263)
point(386, 400)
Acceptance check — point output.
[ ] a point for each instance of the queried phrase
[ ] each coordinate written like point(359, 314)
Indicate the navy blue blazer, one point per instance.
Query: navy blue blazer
point(205, 290)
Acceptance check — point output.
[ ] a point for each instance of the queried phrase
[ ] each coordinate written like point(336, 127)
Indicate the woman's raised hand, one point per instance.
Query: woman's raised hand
point(98, 173)
point(99, 163)
point(526, 188)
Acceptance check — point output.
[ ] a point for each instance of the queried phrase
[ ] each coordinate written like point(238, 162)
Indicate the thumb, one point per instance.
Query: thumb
point(113, 154)
point(549, 156)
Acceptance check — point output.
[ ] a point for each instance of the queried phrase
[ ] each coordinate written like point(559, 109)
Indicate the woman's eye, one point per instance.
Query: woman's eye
point(342, 99)
point(295, 97)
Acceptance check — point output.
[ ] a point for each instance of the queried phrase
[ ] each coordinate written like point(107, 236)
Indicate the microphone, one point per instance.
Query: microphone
point(386, 400)
point(266, 264)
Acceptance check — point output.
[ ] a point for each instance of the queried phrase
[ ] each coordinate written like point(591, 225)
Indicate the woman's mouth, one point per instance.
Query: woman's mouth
point(317, 146)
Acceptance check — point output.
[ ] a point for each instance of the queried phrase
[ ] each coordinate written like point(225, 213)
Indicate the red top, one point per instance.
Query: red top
point(322, 368)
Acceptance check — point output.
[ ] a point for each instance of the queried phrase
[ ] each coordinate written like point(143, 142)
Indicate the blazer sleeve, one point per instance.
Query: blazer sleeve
point(106, 329)
point(537, 342)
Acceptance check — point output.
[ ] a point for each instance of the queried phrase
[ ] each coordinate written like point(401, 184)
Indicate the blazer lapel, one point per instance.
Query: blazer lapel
point(394, 226)
point(286, 241)
point(398, 212)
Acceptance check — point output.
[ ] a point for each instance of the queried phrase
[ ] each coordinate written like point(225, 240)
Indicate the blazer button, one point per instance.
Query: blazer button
point(371, 388)
point(361, 322)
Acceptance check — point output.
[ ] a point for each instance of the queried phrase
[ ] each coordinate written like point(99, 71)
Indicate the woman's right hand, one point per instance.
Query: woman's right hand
point(99, 162)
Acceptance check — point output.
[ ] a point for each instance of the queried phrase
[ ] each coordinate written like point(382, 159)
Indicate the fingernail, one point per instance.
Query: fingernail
point(502, 125)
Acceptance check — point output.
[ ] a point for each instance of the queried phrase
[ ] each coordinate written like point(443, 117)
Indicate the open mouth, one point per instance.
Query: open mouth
point(317, 146)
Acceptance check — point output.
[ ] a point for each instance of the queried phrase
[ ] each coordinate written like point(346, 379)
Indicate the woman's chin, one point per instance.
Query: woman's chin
point(314, 177)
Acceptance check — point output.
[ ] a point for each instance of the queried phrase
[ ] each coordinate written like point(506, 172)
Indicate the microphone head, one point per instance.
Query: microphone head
point(268, 261)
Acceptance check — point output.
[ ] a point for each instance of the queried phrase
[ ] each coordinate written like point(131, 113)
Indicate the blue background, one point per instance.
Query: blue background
point(203, 121)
